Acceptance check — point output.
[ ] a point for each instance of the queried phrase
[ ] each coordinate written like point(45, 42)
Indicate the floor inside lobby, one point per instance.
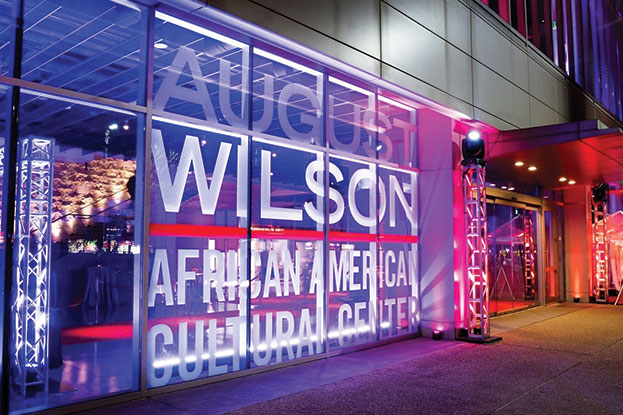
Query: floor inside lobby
point(565, 358)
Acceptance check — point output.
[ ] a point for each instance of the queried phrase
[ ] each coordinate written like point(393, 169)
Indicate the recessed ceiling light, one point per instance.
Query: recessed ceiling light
point(511, 188)
point(519, 163)
point(572, 182)
point(503, 187)
point(160, 45)
point(562, 179)
point(532, 168)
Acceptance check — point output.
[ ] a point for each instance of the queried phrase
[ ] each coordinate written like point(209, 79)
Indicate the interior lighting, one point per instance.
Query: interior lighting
point(504, 187)
point(571, 182)
point(519, 163)
point(576, 299)
point(562, 179)
point(532, 168)
point(114, 126)
point(437, 334)
point(511, 188)
point(126, 127)
point(160, 45)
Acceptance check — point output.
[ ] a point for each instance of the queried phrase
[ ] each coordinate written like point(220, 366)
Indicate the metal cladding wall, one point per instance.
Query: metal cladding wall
point(456, 52)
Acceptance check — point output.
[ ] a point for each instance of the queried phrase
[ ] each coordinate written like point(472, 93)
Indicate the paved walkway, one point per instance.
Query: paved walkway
point(566, 358)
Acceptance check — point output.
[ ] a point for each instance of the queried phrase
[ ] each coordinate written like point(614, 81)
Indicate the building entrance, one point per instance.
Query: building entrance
point(513, 261)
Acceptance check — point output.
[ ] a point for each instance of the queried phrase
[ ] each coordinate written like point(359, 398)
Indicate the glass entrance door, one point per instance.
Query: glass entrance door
point(513, 278)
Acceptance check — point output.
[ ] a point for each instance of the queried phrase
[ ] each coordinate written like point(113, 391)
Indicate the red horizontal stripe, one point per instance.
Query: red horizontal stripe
point(290, 234)
point(408, 239)
point(335, 236)
point(196, 231)
point(206, 231)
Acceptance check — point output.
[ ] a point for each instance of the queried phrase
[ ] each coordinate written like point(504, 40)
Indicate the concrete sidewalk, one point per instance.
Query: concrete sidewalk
point(560, 359)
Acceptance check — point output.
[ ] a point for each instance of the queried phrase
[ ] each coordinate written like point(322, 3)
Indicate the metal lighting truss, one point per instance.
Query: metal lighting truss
point(475, 204)
point(600, 252)
point(528, 253)
point(31, 300)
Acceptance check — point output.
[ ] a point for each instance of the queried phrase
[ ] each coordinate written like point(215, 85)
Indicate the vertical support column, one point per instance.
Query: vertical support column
point(30, 305)
point(475, 202)
point(528, 253)
point(600, 252)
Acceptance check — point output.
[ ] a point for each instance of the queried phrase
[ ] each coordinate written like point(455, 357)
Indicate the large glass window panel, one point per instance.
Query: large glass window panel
point(5, 37)
point(287, 267)
point(4, 120)
point(199, 73)
point(351, 118)
point(518, 16)
point(75, 268)
point(352, 253)
point(92, 47)
point(397, 281)
point(287, 98)
point(539, 18)
point(197, 301)
point(501, 275)
point(397, 133)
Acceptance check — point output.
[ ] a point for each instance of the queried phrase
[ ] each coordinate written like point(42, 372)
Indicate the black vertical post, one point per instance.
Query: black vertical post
point(8, 198)
point(141, 203)
point(249, 189)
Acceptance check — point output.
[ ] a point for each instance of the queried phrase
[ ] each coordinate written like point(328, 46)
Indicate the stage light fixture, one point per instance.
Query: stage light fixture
point(562, 179)
point(474, 135)
point(503, 187)
point(126, 127)
point(511, 188)
point(473, 148)
point(600, 192)
point(160, 45)
point(437, 335)
point(571, 182)
point(576, 299)
point(519, 163)
point(532, 168)
point(113, 126)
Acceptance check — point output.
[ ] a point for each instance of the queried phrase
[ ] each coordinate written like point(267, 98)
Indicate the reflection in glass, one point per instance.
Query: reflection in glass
point(83, 246)
point(353, 255)
point(197, 301)
point(287, 99)
point(397, 130)
point(351, 118)
point(92, 47)
point(512, 257)
point(397, 286)
point(287, 277)
point(5, 39)
point(199, 73)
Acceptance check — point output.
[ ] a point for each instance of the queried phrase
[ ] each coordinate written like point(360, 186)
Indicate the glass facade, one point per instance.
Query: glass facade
point(583, 38)
point(192, 202)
